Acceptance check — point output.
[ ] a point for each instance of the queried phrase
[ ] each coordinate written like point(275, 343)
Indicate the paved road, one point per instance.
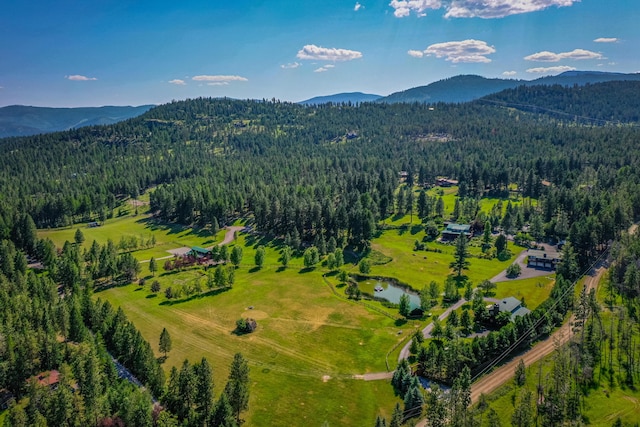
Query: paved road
point(527, 272)
point(404, 353)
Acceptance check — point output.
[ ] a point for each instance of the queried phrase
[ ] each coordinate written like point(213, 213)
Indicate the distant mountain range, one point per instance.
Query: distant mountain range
point(353, 97)
point(465, 88)
point(20, 120)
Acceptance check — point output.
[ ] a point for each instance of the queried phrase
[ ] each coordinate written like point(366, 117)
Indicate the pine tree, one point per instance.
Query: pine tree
point(78, 237)
point(461, 255)
point(237, 388)
point(204, 389)
point(153, 267)
point(165, 342)
point(223, 414)
point(396, 417)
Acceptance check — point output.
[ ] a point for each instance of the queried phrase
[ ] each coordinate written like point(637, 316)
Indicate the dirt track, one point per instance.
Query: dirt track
point(490, 382)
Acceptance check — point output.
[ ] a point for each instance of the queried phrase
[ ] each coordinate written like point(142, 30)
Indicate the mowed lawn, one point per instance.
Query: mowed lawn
point(533, 291)
point(308, 345)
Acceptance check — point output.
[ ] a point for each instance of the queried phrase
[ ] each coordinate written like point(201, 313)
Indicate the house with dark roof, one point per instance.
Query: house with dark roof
point(542, 259)
point(510, 305)
point(452, 231)
point(199, 252)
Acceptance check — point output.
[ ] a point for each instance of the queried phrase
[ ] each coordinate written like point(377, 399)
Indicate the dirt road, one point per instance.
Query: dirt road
point(493, 380)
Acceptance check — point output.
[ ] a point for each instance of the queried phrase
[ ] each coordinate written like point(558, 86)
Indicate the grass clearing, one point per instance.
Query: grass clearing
point(167, 236)
point(304, 333)
point(533, 291)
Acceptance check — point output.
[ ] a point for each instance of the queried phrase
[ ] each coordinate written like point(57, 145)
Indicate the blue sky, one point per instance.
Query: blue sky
point(112, 52)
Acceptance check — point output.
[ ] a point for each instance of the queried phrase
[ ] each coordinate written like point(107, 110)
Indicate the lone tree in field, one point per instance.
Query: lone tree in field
point(155, 286)
point(460, 261)
point(153, 267)
point(259, 257)
point(286, 256)
point(236, 255)
point(165, 342)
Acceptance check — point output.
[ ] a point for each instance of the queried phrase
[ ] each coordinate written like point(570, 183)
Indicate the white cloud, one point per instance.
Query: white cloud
point(475, 8)
point(606, 40)
point(218, 80)
point(509, 73)
point(290, 65)
point(458, 51)
point(79, 78)
point(357, 7)
point(405, 7)
point(318, 53)
point(177, 82)
point(576, 54)
point(550, 70)
point(324, 68)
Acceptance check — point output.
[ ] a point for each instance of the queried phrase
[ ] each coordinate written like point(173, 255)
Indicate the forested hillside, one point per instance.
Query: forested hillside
point(326, 169)
point(610, 102)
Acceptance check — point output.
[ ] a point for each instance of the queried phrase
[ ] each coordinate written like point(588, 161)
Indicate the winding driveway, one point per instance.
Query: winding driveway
point(228, 238)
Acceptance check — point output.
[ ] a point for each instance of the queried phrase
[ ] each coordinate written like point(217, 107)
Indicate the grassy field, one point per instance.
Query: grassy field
point(305, 333)
point(309, 343)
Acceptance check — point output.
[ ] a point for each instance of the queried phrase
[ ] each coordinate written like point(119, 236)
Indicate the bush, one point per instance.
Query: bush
point(246, 326)
point(364, 266)
point(514, 270)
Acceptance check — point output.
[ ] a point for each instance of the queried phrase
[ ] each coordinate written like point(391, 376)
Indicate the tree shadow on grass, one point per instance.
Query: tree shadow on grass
point(400, 322)
point(151, 296)
point(306, 270)
point(416, 228)
point(281, 269)
point(254, 269)
point(210, 293)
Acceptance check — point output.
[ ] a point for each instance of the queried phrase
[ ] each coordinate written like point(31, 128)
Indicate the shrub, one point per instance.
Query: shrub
point(246, 326)
point(514, 270)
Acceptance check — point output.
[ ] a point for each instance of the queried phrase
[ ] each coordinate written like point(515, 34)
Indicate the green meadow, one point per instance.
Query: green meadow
point(311, 340)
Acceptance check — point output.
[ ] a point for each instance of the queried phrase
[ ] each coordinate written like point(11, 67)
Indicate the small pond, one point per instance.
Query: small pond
point(390, 292)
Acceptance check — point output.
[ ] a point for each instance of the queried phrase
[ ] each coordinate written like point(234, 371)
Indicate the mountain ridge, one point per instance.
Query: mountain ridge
point(469, 87)
point(24, 120)
point(343, 97)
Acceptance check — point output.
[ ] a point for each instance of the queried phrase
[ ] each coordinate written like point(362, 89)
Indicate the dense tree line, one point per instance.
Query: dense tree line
point(615, 101)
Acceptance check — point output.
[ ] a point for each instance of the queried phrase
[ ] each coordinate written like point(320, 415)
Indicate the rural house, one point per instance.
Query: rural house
point(452, 231)
point(510, 305)
point(542, 259)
